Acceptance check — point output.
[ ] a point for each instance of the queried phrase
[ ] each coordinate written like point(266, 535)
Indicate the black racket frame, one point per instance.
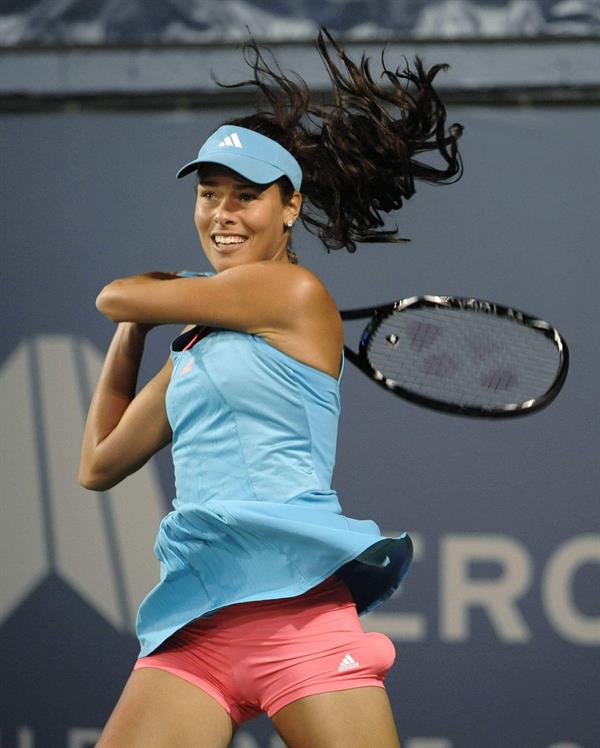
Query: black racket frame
point(378, 313)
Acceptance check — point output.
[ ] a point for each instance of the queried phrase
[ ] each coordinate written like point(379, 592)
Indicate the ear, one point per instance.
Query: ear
point(293, 207)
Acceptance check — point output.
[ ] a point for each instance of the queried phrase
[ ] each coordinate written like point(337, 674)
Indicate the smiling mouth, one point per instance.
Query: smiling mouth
point(226, 244)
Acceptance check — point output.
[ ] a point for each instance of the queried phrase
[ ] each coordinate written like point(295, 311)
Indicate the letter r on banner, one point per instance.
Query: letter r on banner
point(497, 597)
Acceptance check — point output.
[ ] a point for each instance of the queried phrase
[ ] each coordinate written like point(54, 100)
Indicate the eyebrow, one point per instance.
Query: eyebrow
point(211, 182)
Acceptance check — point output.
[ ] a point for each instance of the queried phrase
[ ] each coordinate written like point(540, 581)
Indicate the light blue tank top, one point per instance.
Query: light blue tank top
point(255, 517)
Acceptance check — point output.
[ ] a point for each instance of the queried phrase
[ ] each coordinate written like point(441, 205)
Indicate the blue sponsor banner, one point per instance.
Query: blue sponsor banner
point(497, 627)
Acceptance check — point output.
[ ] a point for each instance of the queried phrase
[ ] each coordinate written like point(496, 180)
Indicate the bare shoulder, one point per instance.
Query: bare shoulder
point(282, 291)
point(310, 329)
point(314, 300)
point(304, 286)
point(298, 289)
point(267, 276)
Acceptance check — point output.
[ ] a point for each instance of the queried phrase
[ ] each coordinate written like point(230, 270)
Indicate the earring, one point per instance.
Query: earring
point(290, 224)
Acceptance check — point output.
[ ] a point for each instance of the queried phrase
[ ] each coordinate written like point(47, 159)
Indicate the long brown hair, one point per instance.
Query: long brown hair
point(357, 154)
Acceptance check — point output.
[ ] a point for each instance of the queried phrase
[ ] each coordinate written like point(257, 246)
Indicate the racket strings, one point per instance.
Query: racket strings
point(464, 357)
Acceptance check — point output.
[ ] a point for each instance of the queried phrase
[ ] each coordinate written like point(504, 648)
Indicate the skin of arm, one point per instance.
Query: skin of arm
point(123, 430)
point(254, 297)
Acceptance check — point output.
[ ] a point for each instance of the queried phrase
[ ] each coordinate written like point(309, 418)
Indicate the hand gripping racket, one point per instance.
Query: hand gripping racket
point(459, 355)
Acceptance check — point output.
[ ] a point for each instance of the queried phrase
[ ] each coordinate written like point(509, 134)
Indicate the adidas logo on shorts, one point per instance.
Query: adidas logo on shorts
point(348, 663)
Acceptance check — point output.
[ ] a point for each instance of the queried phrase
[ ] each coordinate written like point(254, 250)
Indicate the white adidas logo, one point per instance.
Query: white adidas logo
point(232, 141)
point(348, 663)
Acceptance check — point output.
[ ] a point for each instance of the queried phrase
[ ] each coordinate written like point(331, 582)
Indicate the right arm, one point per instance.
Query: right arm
point(123, 430)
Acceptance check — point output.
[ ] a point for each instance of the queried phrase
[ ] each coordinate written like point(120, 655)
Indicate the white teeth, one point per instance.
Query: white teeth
point(229, 239)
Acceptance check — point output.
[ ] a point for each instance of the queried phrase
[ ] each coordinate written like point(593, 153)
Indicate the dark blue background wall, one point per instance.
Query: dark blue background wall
point(508, 508)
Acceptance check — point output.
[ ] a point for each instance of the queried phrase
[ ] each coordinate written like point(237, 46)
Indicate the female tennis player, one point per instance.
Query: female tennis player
point(262, 578)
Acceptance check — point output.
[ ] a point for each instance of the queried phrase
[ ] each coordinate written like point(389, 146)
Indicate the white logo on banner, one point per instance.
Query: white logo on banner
point(99, 543)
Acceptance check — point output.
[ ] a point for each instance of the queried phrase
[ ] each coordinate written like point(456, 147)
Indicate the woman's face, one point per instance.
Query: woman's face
point(239, 221)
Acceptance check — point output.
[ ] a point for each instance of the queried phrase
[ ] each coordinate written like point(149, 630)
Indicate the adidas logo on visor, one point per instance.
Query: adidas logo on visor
point(231, 141)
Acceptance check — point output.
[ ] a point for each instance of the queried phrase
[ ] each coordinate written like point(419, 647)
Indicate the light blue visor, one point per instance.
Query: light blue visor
point(254, 156)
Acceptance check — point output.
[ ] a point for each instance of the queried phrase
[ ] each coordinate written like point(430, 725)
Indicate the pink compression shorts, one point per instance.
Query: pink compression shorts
point(258, 656)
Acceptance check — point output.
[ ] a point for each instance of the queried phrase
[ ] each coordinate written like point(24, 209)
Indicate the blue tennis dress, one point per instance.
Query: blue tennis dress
point(255, 517)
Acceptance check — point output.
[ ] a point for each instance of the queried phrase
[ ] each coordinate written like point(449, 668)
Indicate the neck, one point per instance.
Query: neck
point(276, 255)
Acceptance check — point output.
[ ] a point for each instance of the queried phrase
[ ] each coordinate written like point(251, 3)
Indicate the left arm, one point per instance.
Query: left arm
point(254, 297)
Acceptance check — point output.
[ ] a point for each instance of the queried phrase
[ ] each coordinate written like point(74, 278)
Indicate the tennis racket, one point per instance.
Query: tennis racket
point(461, 355)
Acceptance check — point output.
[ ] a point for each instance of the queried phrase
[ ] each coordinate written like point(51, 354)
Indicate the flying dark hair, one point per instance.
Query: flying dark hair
point(357, 154)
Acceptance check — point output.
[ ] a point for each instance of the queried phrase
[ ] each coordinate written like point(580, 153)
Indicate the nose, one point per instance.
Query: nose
point(224, 212)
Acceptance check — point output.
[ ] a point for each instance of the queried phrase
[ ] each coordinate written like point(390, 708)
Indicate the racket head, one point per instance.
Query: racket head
point(464, 356)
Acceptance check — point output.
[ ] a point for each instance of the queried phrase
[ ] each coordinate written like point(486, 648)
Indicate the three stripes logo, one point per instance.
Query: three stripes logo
point(348, 663)
point(231, 141)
